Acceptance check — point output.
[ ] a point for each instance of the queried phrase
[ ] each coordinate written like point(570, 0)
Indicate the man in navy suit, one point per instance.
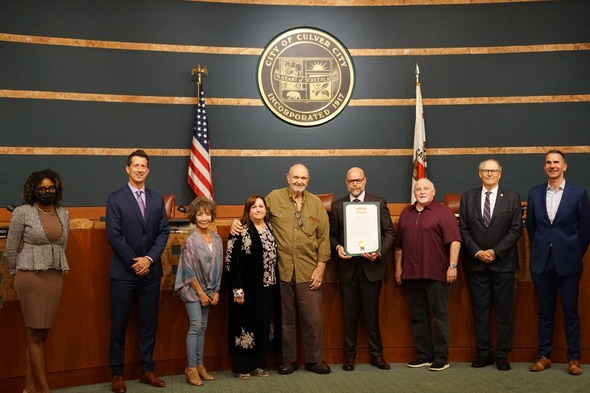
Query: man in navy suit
point(558, 223)
point(360, 277)
point(490, 221)
point(137, 229)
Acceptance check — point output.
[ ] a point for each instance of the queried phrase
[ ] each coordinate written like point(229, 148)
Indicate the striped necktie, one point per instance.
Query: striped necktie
point(487, 216)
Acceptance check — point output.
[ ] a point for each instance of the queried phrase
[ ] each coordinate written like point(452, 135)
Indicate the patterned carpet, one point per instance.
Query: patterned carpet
point(460, 377)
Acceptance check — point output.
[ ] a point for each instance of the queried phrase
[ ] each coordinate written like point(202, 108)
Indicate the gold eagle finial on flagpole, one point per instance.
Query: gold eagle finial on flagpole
point(198, 71)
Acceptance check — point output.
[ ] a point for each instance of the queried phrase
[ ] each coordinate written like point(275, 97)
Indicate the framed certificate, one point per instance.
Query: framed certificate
point(362, 227)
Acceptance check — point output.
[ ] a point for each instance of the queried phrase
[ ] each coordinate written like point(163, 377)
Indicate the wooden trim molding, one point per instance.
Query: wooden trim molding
point(228, 101)
point(360, 3)
point(355, 52)
point(450, 151)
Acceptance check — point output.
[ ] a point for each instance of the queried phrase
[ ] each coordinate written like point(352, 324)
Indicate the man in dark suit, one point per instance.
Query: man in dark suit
point(360, 277)
point(490, 221)
point(137, 229)
point(558, 223)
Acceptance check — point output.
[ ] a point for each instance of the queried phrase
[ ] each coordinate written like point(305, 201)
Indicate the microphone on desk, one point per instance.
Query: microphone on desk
point(181, 209)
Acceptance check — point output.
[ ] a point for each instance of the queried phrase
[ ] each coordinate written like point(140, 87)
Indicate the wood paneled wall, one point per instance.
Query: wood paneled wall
point(77, 348)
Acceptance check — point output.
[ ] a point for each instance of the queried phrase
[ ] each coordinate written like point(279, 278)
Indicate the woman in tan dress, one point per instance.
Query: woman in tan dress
point(35, 250)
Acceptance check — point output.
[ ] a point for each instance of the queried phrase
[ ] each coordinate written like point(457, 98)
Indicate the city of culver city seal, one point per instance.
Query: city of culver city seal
point(305, 76)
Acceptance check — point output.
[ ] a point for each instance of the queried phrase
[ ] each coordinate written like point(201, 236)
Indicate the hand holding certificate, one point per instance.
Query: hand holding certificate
point(362, 228)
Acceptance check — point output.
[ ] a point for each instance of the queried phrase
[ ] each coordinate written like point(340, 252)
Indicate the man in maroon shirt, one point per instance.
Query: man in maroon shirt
point(426, 253)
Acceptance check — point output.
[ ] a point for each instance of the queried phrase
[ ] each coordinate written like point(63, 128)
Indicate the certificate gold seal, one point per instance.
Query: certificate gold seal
point(362, 245)
point(305, 76)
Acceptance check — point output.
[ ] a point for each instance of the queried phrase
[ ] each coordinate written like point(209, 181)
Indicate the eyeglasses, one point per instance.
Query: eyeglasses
point(298, 217)
point(43, 190)
point(490, 171)
point(352, 181)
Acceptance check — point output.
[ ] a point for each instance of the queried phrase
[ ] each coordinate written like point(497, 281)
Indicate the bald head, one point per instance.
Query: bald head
point(424, 192)
point(355, 181)
point(355, 172)
point(298, 178)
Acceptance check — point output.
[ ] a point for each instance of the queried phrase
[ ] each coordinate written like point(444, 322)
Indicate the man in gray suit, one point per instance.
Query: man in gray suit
point(360, 277)
point(490, 221)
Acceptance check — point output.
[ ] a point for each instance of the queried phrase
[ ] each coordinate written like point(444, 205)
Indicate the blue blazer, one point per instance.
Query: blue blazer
point(569, 234)
point(131, 236)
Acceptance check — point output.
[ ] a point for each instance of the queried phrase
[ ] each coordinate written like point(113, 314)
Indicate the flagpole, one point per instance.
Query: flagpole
point(200, 178)
point(419, 154)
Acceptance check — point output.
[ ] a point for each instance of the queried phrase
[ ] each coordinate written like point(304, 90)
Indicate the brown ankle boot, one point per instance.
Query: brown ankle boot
point(192, 377)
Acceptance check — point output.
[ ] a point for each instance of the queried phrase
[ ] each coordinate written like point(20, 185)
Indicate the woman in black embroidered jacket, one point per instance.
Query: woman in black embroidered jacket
point(253, 301)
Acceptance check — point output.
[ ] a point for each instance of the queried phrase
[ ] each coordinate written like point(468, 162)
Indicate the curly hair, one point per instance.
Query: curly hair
point(33, 181)
point(201, 203)
point(245, 220)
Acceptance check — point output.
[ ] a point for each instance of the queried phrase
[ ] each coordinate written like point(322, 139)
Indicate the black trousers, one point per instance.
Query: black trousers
point(361, 296)
point(492, 288)
point(429, 300)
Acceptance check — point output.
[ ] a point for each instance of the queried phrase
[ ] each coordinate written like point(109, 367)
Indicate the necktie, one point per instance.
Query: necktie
point(486, 210)
point(140, 203)
point(356, 200)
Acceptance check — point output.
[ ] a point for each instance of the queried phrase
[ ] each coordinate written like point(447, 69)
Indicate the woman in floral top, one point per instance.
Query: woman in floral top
point(197, 283)
point(253, 311)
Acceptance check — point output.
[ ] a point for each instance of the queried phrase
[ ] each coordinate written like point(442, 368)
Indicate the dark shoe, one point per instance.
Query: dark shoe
point(482, 361)
point(419, 363)
point(502, 364)
point(348, 362)
point(149, 378)
point(287, 368)
point(541, 364)
point(573, 367)
point(378, 362)
point(118, 385)
point(318, 368)
point(439, 366)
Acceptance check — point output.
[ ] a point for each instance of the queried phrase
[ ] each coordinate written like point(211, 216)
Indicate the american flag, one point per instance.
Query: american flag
point(199, 167)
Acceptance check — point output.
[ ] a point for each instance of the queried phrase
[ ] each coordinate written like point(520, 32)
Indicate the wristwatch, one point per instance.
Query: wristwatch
point(453, 265)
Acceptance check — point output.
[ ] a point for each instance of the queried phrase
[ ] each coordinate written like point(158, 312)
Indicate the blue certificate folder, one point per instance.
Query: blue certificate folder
point(362, 227)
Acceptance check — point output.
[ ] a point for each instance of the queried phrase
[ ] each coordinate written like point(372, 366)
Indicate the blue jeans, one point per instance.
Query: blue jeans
point(195, 339)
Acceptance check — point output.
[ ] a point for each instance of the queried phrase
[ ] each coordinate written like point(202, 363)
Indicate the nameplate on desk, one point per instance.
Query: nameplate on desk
point(3, 233)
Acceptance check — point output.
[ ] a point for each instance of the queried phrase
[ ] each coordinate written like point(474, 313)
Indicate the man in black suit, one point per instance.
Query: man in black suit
point(490, 221)
point(137, 229)
point(360, 277)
